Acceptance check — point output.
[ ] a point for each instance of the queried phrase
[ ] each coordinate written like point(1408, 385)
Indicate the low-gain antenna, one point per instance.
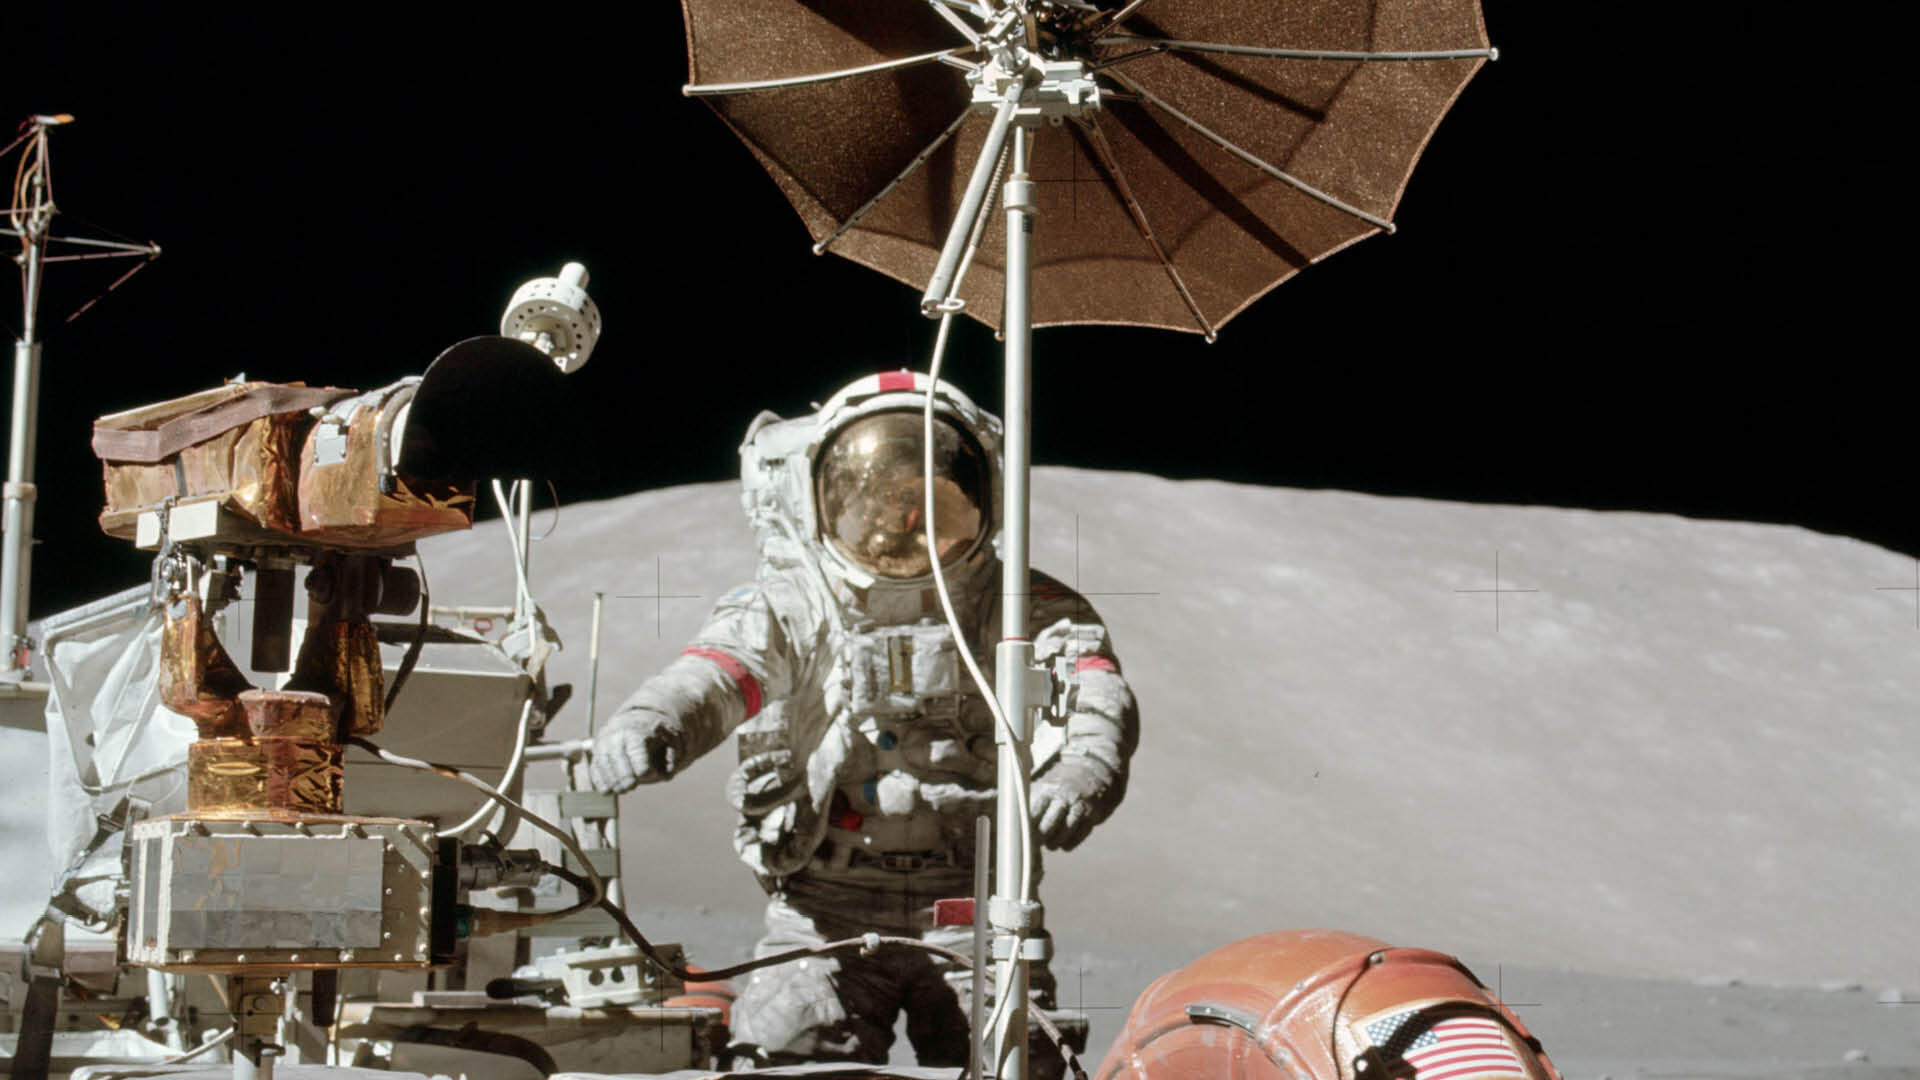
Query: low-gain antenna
point(30, 217)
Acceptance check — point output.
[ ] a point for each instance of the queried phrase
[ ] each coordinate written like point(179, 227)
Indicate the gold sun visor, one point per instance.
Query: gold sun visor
point(869, 491)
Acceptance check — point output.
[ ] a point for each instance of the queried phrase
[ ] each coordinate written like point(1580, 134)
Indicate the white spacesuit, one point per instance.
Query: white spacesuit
point(865, 753)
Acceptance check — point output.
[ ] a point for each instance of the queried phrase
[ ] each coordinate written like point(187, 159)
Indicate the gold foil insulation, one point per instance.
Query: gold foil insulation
point(341, 658)
point(289, 765)
point(238, 443)
point(197, 677)
point(258, 450)
point(348, 496)
point(272, 752)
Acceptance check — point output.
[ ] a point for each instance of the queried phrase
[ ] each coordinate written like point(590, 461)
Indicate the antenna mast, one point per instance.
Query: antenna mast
point(29, 217)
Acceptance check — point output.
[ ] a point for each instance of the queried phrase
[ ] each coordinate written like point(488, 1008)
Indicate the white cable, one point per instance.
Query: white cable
point(487, 809)
point(1004, 972)
point(1001, 1016)
point(508, 517)
point(565, 837)
point(1020, 794)
point(974, 236)
point(196, 1051)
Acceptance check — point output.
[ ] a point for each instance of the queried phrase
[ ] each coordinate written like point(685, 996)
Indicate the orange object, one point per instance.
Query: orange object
point(706, 995)
point(287, 765)
point(238, 443)
point(197, 678)
point(1322, 1005)
point(956, 912)
point(348, 494)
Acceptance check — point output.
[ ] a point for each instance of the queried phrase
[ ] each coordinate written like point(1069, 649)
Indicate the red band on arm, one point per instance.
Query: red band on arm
point(1093, 663)
point(895, 380)
point(749, 686)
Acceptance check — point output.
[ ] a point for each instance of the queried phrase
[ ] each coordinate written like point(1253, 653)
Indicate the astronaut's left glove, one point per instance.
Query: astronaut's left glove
point(1070, 798)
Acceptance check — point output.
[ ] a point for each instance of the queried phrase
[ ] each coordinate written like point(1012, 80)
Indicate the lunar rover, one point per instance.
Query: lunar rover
point(257, 875)
point(253, 884)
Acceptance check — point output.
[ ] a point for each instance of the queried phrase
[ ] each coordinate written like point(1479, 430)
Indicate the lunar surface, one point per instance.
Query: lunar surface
point(1647, 776)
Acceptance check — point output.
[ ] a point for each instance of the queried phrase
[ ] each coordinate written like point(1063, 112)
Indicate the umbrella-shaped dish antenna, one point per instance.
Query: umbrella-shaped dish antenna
point(1186, 156)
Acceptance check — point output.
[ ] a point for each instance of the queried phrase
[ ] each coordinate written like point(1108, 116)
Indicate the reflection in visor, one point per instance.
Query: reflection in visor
point(869, 493)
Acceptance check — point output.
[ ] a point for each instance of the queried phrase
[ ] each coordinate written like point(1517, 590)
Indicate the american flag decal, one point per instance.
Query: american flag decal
point(1451, 1048)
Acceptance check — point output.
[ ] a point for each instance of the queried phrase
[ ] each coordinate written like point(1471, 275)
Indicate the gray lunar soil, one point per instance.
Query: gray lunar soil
point(1665, 798)
point(1655, 790)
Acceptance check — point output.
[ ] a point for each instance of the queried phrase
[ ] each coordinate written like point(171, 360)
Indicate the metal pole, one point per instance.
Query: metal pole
point(16, 561)
point(982, 845)
point(160, 1006)
point(593, 665)
point(1017, 327)
point(36, 210)
point(523, 500)
point(1014, 657)
point(943, 272)
point(610, 829)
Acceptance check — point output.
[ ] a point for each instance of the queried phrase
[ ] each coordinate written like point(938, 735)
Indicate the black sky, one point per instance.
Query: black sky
point(1625, 277)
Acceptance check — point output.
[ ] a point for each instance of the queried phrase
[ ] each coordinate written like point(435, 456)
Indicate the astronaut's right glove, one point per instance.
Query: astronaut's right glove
point(1070, 798)
point(639, 746)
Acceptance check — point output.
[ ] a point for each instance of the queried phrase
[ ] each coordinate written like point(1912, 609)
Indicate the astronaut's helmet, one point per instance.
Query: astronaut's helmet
point(860, 490)
point(870, 486)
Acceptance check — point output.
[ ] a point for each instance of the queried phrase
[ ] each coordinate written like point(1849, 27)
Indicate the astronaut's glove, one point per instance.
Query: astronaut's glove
point(1068, 800)
point(637, 747)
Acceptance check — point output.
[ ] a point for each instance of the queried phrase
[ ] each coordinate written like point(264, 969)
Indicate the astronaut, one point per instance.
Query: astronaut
point(866, 754)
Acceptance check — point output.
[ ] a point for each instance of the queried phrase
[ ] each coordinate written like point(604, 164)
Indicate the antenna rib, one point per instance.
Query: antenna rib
point(1122, 15)
point(1157, 44)
point(82, 241)
point(1098, 140)
point(715, 89)
point(947, 13)
point(1223, 143)
point(918, 160)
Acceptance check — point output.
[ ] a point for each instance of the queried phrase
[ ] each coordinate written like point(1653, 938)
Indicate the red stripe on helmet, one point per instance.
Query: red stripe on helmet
point(1093, 663)
point(895, 380)
point(749, 686)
